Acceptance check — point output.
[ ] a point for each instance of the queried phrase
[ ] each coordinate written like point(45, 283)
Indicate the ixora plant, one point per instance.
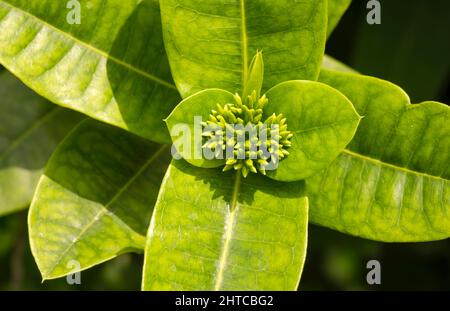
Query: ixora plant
point(293, 139)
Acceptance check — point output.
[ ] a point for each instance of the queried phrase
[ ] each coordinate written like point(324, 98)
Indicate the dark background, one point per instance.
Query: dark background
point(411, 48)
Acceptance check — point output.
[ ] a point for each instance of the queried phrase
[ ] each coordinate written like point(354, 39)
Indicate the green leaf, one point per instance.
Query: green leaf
point(322, 120)
point(30, 129)
point(336, 8)
point(95, 198)
point(213, 231)
point(209, 43)
point(182, 129)
point(331, 63)
point(255, 77)
point(392, 182)
point(111, 67)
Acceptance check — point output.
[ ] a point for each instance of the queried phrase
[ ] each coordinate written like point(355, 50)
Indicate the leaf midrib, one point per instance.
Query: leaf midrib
point(104, 209)
point(94, 49)
point(230, 220)
point(244, 43)
point(396, 167)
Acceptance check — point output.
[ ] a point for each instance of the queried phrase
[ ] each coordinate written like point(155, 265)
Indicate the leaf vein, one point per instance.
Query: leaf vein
point(96, 50)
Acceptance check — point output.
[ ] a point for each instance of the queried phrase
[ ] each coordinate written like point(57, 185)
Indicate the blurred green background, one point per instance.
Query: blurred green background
point(411, 48)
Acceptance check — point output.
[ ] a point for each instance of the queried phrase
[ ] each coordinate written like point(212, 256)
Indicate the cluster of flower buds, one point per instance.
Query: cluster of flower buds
point(256, 145)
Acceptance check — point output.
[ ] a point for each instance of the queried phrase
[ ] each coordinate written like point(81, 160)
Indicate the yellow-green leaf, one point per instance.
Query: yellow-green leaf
point(322, 120)
point(112, 66)
point(95, 198)
point(210, 43)
point(392, 182)
point(215, 231)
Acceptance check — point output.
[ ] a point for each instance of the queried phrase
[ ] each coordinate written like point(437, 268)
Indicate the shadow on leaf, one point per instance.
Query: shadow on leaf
point(140, 75)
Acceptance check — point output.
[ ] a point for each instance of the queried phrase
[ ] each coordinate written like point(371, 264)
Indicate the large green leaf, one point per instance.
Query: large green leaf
point(30, 129)
point(210, 43)
point(392, 182)
point(322, 120)
point(111, 67)
point(336, 8)
point(213, 231)
point(95, 198)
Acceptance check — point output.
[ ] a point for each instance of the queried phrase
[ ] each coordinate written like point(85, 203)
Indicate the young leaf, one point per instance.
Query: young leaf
point(30, 129)
point(215, 231)
point(255, 77)
point(181, 124)
point(392, 182)
point(322, 120)
point(95, 198)
point(336, 8)
point(112, 66)
point(210, 44)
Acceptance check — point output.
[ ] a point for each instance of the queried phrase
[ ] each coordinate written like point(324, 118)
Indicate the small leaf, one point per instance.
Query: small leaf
point(95, 198)
point(323, 122)
point(181, 124)
point(255, 77)
point(30, 129)
point(392, 181)
point(112, 66)
point(209, 44)
point(217, 231)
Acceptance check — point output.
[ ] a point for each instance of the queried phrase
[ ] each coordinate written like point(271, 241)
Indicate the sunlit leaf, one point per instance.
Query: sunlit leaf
point(112, 66)
point(392, 182)
point(217, 231)
point(210, 43)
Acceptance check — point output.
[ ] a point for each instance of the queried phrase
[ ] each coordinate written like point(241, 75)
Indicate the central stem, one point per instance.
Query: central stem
point(234, 198)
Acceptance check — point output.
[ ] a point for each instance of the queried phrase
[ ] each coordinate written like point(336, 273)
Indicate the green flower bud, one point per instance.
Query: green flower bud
point(248, 112)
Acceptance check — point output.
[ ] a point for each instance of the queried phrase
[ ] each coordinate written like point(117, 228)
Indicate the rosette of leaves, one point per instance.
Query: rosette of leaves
point(105, 191)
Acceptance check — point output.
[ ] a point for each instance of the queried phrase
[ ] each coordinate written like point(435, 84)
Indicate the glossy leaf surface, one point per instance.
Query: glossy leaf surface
point(322, 120)
point(112, 66)
point(95, 198)
point(217, 231)
point(210, 44)
point(392, 182)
